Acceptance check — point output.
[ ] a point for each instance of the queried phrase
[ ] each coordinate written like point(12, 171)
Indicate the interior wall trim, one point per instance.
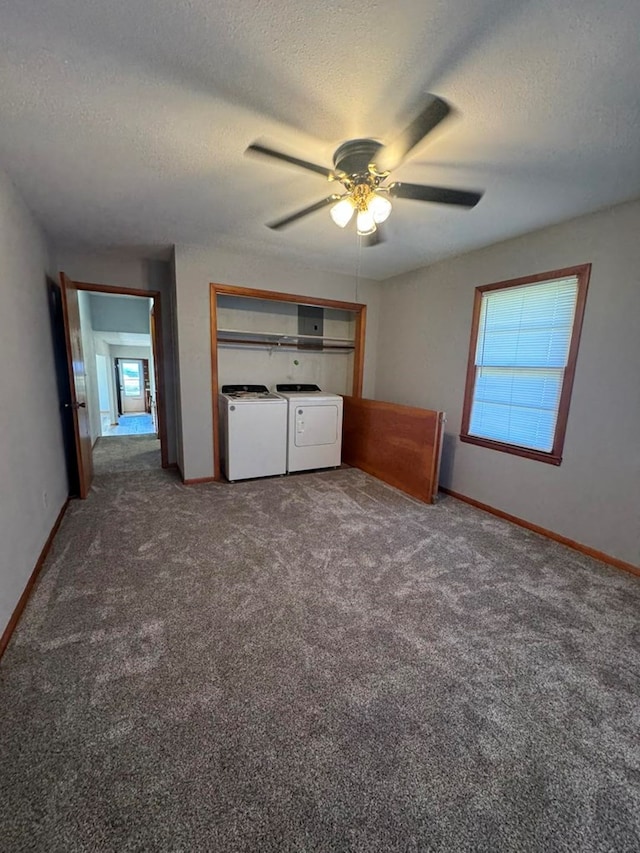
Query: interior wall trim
point(22, 602)
point(194, 481)
point(550, 534)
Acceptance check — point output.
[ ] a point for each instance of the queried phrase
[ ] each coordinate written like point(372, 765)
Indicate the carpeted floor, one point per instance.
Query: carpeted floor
point(114, 454)
point(317, 663)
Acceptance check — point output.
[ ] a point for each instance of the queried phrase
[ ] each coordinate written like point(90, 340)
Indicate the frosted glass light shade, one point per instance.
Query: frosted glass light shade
point(342, 212)
point(380, 208)
point(365, 223)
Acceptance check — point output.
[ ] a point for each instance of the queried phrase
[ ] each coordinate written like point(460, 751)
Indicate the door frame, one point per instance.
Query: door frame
point(359, 309)
point(116, 377)
point(155, 332)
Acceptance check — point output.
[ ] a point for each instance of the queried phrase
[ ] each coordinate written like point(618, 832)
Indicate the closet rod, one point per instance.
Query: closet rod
point(284, 345)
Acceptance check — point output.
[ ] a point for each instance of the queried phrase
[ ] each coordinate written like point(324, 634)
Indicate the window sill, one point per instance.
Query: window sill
point(526, 452)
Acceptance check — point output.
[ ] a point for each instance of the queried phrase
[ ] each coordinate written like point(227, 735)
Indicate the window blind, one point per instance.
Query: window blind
point(524, 335)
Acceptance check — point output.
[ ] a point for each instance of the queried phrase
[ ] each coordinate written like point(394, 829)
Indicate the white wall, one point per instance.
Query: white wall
point(104, 401)
point(195, 268)
point(239, 365)
point(594, 496)
point(141, 274)
point(102, 349)
point(331, 371)
point(90, 366)
point(33, 478)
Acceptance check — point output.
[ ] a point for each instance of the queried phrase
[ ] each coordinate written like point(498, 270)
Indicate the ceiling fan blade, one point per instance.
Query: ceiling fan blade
point(391, 156)
point(263, 150)
point(440, 195)
point(292, 217)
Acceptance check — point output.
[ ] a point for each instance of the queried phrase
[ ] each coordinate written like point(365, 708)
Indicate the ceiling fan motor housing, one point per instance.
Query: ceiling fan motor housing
point(353, 157)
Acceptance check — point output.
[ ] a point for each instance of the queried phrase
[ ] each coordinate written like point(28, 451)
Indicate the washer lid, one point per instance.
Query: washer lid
point(249, 392)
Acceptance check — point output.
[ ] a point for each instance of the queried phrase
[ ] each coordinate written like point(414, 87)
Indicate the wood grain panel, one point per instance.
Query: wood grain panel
point(358, 353)
point(215, 388)
point(78, 383)
point(400, 445)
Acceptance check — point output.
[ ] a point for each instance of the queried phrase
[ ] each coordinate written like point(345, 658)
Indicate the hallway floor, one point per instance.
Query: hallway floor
point(116, 454)
point(130, 425)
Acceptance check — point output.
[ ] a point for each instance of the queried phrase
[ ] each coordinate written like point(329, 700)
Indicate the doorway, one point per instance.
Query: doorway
point(117, 377)
point(136, 399)
point(132, 384)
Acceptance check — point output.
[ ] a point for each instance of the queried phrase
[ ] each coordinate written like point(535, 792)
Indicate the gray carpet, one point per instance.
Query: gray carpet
point(113, 454)
point(317, 663)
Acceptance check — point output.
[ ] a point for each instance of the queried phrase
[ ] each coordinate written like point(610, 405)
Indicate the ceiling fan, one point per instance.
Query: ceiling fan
point(363, 166)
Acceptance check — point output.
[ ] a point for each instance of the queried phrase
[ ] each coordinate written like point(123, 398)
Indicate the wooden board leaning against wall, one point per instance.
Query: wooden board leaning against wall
point(401, 445)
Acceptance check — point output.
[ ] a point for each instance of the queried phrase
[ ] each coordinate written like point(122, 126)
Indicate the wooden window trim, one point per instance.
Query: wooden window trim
point(554, 456)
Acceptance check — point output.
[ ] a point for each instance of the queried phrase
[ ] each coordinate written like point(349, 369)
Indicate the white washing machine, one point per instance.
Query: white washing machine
point(315, 427)
point(253, 432)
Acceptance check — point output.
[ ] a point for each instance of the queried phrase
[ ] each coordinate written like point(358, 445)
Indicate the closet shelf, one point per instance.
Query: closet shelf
point(244, 337)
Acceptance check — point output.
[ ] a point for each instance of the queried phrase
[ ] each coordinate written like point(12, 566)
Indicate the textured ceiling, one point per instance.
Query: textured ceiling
point(124, 124)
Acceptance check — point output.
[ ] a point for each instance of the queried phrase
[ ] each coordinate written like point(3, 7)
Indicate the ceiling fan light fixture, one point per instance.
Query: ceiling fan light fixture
point(365, 223)
point(342, 212)
point(379, 207)
point(363, 166)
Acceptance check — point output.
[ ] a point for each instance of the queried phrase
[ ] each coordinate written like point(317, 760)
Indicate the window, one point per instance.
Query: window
point(522, 357)
point(131, 378)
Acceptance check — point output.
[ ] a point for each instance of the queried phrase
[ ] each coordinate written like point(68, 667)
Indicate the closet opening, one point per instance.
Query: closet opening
point(269, 337)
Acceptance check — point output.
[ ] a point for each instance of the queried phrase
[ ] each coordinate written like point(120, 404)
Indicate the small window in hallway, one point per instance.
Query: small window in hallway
point(131, 378)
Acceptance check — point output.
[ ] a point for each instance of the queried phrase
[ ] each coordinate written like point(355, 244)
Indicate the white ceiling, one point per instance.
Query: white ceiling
point(124, 124)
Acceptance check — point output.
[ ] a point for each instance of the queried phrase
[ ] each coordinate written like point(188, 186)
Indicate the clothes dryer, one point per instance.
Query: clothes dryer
point(314, 435)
